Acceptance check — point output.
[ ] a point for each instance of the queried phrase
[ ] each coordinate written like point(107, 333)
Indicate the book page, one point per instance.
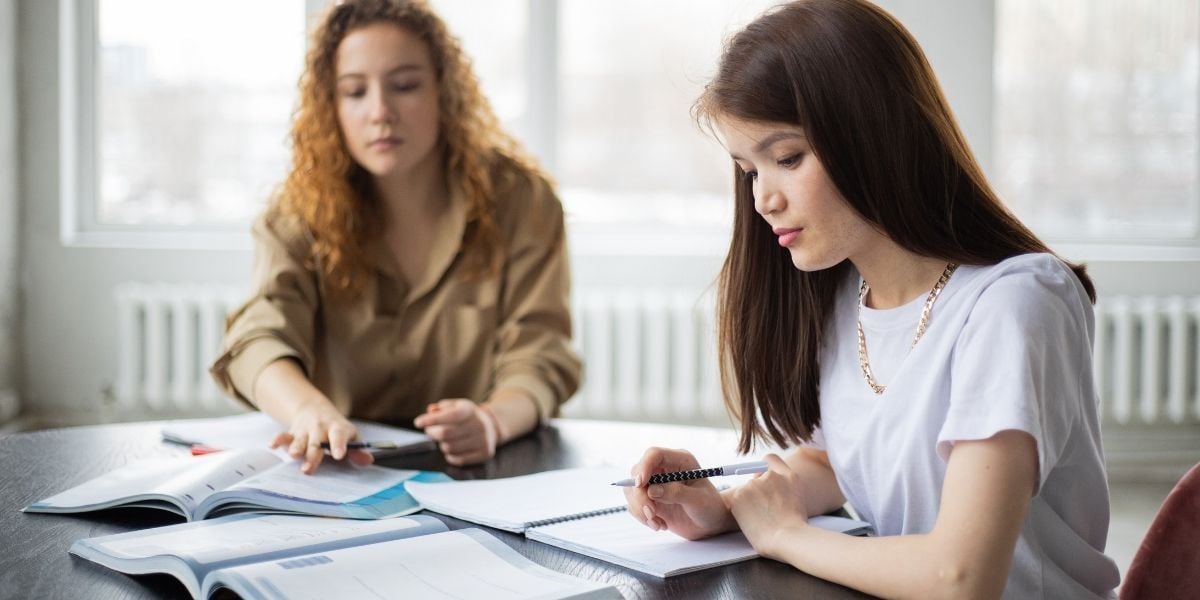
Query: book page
point(466, 564)
point(189, 479)
point(619, 538)
point(240, 537)
point(332, 482)
point(256, 430)
point(513, 503)
point(203, 476)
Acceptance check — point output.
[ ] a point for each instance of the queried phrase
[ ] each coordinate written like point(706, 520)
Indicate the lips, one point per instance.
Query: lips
point(786, 235)
point(384, 143)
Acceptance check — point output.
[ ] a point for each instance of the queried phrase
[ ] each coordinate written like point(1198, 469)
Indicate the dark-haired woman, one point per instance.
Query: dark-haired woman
point(880, 308)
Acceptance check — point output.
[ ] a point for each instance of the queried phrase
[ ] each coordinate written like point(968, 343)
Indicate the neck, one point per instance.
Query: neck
point(897, 276)
point(415, 194)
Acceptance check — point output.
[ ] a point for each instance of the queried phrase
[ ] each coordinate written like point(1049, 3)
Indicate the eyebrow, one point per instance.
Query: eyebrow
point(778, 136)
point(771, 140)
point(395, 71)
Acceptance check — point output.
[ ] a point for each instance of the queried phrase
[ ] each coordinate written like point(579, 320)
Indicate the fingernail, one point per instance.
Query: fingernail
point(637, 481)
point(649, 518)
point(654, 491)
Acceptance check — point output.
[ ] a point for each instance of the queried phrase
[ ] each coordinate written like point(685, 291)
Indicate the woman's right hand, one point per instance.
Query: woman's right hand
point(318, 422)
point(283, 392)
point(691, 509)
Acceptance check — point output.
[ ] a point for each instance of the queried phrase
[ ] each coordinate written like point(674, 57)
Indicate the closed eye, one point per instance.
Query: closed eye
point(790, 162)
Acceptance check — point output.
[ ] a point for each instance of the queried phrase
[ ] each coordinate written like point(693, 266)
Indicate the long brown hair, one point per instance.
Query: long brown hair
point(856, 81)
point(332, 195)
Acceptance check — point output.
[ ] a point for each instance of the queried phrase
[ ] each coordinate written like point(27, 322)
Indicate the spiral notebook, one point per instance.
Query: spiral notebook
point(579, 510)
point(520, 503)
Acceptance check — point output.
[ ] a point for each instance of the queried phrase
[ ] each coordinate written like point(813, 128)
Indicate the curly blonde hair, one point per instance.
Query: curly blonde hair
point(332, 195)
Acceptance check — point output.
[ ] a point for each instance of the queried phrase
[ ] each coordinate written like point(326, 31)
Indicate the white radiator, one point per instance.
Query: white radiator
point(649, 354)
point(1147, 357)
point(167, 335)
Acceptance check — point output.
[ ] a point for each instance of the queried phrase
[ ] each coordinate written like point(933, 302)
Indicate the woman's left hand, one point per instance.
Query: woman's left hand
point(466, 432)
point(769, 505)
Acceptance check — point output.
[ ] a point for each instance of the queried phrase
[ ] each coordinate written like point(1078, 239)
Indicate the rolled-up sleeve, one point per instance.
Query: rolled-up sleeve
point(533, 349)
point(277, 321)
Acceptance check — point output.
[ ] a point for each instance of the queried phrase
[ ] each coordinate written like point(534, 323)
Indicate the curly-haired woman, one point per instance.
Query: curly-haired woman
point(412, 268)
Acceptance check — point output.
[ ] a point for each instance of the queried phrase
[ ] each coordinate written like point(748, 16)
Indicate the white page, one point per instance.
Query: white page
point(137, 477)
point(512, 503)
point(331, 482)
point(189, 478)
point(225, 538)
point(257, 429)
point(447, 565)
point(621, 539)
point(202, 476)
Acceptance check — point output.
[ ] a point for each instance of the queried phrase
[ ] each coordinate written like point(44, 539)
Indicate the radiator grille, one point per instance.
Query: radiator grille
point(649, 354)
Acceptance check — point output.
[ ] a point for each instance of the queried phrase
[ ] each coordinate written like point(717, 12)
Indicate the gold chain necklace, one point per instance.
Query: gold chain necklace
point(863, 361)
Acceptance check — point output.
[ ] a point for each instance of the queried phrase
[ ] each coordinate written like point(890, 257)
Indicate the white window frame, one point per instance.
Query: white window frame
point(79, 226)
point(1120, 249)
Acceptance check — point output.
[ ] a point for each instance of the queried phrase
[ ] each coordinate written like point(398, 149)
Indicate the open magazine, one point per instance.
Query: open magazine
point(235, 481)
point(290, 556)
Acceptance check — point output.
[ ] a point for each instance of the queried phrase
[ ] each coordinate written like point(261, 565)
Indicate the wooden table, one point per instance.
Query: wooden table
point(34, 562)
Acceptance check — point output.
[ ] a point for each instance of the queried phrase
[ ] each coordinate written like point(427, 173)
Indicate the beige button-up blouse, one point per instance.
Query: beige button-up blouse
point(396, 348)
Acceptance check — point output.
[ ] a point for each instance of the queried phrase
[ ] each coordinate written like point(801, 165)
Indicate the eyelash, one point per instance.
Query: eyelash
point(787, 162)
point(398, 88)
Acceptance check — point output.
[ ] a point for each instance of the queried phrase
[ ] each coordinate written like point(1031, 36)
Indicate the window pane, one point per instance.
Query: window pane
point(194, 100)
point(1096, 116)
point(493, 34)
point(630, 71)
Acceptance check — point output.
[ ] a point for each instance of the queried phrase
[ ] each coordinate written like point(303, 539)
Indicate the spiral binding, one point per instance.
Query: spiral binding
point(577, 516)
point(686, 475)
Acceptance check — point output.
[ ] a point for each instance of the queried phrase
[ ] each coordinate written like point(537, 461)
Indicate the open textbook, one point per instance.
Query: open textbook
point(256, 430)
point(578, 510)
point(244, 481)
point(289, 556)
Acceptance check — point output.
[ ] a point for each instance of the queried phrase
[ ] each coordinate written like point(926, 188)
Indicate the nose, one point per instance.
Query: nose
point(380, 111)
point(767, 197)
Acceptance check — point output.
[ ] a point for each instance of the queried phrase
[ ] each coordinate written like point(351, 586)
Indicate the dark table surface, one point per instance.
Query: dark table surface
point(34, 562)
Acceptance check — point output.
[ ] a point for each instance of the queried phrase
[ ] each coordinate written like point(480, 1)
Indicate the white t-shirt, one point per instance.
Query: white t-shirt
point(1008, 346)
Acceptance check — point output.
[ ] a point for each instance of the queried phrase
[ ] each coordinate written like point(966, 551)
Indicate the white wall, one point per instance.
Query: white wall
point(67, 334)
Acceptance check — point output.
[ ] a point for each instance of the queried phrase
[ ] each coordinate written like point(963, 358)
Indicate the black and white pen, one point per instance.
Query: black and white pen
point(757, 466)
point(366, 445)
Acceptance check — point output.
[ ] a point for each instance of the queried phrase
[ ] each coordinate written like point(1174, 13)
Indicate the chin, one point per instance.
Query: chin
point(808, 263)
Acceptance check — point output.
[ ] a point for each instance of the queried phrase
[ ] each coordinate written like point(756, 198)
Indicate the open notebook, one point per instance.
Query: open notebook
point(578, 510)
point(288, 556)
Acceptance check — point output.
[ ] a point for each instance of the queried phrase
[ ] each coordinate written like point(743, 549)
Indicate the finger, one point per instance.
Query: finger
point(338, 436)
point(299, 444)
point(451, 434)
point(360, 458)
point(459, 460)
point(653, 521)
point(466, 445)
point(312, 457)
point(282, 438)
point(776, 464)
point(678, 492)
point(441, 417)
point(663, 460)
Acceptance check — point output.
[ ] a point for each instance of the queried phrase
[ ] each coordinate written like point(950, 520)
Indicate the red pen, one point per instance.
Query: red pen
point(198, 449)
